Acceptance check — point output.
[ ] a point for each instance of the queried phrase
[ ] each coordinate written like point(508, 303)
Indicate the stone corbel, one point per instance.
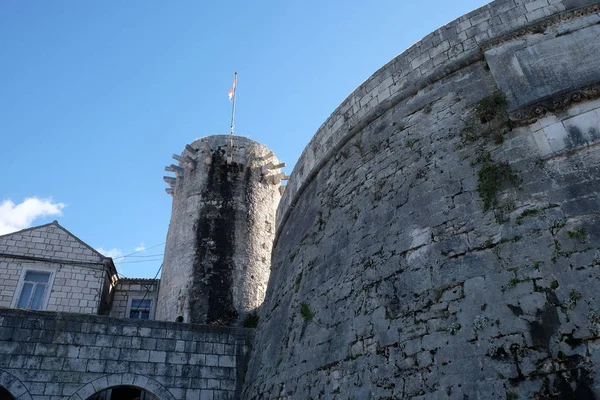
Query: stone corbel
point(192, 150)
point(277, 178)
point(174, 168)
point(170, 180)
point(267, 156)
point(270, 166)
point(186, 161)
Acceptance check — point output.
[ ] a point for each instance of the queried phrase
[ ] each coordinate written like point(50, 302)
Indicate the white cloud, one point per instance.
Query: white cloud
point(14, 217)
point(113, 253)
point(141, 247)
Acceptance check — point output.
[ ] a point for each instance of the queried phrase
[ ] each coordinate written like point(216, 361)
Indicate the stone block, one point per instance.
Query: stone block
point(41, 349)
point(148, 344)
point(52, 363)
point(104, 340)
point(117, 367)
point(206, 395)
point(165, 345)
point(135, 355)
point(224, 361)
point(177, 358)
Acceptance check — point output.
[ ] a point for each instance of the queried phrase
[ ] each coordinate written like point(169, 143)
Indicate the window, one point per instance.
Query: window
point(140, 308)
point(35, 290)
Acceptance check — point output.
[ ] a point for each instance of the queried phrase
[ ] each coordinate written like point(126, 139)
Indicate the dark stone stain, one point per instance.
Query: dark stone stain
point(572, 383)
point(211, 296)
point(571, 341)
point(571, 4)
point(551, 298)
point(516, 310)
point(545, 327)
point(575, 137)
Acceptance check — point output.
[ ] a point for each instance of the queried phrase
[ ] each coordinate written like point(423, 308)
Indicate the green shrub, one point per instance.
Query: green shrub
point(491, 106)
point(306, 312)
point(491, 178)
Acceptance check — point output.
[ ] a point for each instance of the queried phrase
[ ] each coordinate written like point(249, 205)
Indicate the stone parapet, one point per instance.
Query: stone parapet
point(46, 355)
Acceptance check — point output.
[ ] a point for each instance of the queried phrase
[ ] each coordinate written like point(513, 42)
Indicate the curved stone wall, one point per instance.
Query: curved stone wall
point(218, 249)
point(439, 236)
point(442, 52)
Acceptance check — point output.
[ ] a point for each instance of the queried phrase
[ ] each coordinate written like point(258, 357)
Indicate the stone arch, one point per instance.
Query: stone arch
point(14, 386)
point(109, 381)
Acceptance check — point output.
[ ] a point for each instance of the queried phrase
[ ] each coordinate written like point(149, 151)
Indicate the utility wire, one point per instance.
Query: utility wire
point(148, 291)
point(150, 255)
point(136, 252)
point(140, 261)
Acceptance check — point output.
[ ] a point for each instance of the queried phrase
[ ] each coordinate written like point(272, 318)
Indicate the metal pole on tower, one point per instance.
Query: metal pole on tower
point(232, 93)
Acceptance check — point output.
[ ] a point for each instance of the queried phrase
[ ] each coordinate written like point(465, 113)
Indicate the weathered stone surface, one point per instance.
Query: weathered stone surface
point(526, 69)
point(426, 246)
point(218, 249)
point(73, 356)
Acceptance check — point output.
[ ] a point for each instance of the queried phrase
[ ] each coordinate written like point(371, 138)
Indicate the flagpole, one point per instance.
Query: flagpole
point(233, 107)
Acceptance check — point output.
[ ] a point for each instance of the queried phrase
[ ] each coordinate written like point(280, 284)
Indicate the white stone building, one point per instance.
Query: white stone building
point(135, 298)
point(48, 268)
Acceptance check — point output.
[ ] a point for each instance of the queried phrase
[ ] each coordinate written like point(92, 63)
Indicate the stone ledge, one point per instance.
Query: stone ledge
point(17, 318)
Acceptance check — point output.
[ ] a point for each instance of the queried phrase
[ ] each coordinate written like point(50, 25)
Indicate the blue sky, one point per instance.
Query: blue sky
point(95, 96)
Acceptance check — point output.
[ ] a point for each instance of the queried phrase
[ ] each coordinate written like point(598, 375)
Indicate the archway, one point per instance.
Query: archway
point(123, 393)
point(12, 388)
point(123, 387)
point(5, 394)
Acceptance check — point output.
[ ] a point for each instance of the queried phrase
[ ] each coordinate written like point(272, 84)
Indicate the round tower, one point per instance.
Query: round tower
point(218, 251)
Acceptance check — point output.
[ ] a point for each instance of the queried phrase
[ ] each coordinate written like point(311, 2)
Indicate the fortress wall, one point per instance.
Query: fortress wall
point(445, 50)
point(445, 242)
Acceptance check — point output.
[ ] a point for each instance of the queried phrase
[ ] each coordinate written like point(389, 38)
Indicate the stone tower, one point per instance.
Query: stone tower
point(217, 257)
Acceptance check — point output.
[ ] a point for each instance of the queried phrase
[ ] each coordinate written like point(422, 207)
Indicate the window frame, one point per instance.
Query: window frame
point(21, 283)
point(130, 300)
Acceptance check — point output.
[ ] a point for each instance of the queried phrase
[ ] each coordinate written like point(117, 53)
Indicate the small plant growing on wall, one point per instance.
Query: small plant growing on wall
point(491, 106)
point(491, 178)
point(306, 312)
point(490, 111)
point(578, 235)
